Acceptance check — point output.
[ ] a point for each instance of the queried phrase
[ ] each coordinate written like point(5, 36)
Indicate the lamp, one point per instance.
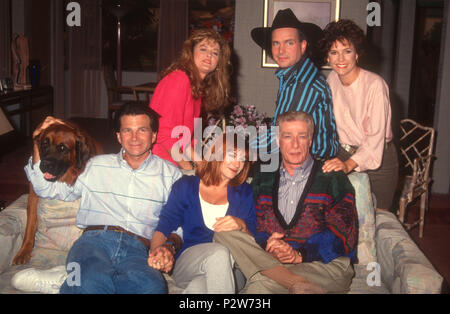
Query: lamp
point(119, 11)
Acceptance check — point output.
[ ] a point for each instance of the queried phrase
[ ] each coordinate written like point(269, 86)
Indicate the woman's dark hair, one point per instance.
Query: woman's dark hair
point(135, 108)
point(343, 30)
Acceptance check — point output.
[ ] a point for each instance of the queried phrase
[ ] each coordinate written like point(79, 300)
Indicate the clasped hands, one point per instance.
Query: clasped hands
point(162, 258)
point(281, 250)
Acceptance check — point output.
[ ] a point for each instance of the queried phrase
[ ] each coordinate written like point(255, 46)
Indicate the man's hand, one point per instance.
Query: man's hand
point(281, 250)
point(47, 122)
point(161, 258)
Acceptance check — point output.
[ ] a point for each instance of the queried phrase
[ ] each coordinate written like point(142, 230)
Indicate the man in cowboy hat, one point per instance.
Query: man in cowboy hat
point(292, 44)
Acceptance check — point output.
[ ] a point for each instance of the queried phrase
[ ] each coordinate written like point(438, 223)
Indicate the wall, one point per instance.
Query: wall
point(441, 172)
point(18, 16)
point(256, 85)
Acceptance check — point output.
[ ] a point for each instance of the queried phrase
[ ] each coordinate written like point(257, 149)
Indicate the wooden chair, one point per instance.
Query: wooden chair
point(416, 147)
point(114, 92)
point(147, 89)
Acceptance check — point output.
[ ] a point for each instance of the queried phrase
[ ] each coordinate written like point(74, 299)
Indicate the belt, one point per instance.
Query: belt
point(352, 149)
point(120, 229)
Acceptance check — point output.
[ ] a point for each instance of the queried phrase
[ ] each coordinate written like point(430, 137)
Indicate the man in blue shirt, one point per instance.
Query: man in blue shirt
point(292, 44)
point(121, 198)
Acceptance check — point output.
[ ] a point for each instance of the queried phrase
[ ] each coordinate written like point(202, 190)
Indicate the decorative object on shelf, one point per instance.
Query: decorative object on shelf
point(6, 85)
point(21, 58)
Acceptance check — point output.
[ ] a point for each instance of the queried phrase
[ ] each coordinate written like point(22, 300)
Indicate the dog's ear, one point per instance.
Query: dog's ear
point(85, 147)
point(82, 154)
point(83, 150)
point(37, 140)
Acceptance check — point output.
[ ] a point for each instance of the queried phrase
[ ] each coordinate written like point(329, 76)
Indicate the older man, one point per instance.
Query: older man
point(292, 44)
point(306, 221)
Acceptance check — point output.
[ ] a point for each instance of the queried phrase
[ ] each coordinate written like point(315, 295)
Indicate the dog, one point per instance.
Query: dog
point(64, 150)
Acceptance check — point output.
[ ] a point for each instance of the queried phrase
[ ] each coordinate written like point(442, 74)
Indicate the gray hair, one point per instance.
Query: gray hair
point(297, 116)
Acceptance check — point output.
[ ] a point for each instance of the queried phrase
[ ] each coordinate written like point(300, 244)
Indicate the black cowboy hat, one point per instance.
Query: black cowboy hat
point(286, 18)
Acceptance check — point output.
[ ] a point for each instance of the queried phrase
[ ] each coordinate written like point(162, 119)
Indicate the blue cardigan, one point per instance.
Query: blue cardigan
point(183, 210)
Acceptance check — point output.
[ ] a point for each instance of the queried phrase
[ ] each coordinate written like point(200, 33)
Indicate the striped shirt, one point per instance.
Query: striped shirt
point(114, 194)
point(291, 188)
point(304, 88)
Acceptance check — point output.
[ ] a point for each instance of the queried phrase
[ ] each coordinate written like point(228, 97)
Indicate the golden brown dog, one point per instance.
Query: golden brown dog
point(64, 150)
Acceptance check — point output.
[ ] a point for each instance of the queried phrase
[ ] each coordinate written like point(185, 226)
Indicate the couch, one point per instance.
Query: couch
point(388, 260)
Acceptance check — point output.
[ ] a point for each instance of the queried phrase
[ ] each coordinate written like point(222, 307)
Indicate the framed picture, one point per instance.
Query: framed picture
point(319, 12)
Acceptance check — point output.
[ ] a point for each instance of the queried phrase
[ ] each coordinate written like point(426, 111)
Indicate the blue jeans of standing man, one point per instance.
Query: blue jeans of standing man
point(111, 262)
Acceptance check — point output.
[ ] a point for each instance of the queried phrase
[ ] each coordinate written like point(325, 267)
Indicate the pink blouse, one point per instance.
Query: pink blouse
point(174, 102)
point(363, 116)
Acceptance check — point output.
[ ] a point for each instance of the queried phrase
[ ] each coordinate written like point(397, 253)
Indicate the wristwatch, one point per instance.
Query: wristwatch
point(172, 245)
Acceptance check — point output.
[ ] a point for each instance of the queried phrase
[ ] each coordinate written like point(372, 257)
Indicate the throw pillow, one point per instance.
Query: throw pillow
point(56, 224)
point(366, 218)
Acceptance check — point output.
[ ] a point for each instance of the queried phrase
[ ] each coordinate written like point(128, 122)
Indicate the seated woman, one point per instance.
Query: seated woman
point(363, 113)
point(216, 199)
point(195, 85)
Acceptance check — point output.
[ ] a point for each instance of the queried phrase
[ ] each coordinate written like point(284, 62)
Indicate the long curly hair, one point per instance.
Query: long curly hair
point(214, 89)
point(343, 30)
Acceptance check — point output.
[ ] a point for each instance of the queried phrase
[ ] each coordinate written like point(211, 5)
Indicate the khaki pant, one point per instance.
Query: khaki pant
point(334, 277)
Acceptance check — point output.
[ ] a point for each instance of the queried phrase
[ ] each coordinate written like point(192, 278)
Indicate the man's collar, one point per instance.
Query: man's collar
point(307, 164)
point(293, 69)
point(124, 162)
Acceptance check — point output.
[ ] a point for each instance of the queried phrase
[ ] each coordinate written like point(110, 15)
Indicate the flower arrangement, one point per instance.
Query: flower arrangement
point(246, 115)
point(241, 117)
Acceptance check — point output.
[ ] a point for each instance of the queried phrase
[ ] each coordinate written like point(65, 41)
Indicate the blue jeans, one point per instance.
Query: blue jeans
point(111, 262)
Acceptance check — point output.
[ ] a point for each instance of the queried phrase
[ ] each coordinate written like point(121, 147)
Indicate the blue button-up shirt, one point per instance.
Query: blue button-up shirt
point(114, 194)
point(304, 88)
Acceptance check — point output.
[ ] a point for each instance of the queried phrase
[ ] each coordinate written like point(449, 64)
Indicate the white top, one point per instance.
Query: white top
point(211, 212)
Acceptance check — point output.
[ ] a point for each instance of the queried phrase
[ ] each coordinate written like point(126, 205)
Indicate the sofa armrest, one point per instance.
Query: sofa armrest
point(13, 220)
point(404, 268)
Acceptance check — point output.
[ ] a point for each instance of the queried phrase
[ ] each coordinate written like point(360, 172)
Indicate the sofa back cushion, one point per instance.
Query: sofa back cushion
point(56, 224)
point(367, 252)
